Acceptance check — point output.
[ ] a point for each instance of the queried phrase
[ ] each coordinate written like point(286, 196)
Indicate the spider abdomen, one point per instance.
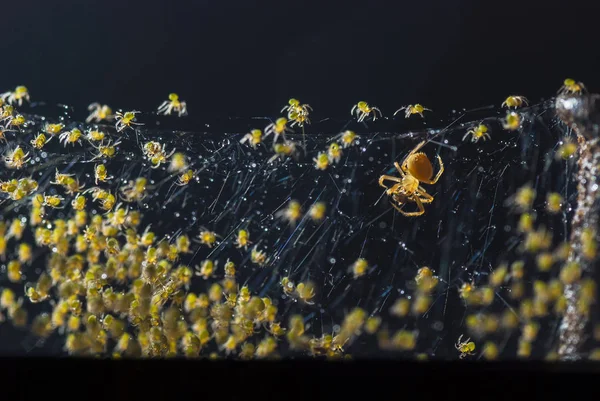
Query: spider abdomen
point(419, 166)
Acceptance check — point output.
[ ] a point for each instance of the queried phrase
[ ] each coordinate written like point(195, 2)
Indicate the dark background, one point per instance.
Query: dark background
point(247, 58)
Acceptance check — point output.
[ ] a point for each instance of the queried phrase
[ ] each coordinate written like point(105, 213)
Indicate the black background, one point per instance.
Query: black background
point(246, 58)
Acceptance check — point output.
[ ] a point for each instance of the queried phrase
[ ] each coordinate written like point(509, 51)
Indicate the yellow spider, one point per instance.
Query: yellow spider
point(348, 138)
point(363, 110)
point(412, 109)
point(21, 93)
point(99, 112)
point(277, 128)
point(415, 169)
point(254, 136)
point(297, 112)
point(512, 121)
point(480, 132)
point(295, 106)
point(173, 104)
point(185, 178)
point(465, 348)
point(570, 86)
point(515, 101)
point(125, 120)
point(15, 159)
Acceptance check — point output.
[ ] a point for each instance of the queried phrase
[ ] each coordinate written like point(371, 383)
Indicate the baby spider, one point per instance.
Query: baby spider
point(295, 106)
point(297, 112)
point(17, 96)
point(412, 109)
point(208, 238)
point(101, 174)
point(39, 141)
point(277, 128)
point(465, 348)
point(99, 112)
point(254, 136)
point(282, 150)
point(71, 137)
point(126, 120)
point(480, 132)
point(570, 86)
point(6, 112)
point(515, 101)
point(107, 150)
point(17, 121)
point(347, 138)
point(291, 213)
point(185, 178)
point(173, 104)
point(15, 159)
point(363, 110)
point(415, 168)
point(512, 121)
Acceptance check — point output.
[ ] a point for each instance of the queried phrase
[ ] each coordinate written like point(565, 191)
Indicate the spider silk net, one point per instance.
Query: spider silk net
point(466, 232)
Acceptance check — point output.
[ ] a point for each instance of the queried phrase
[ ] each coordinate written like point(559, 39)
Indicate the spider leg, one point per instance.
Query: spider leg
point(414, 214)
point(423, 195)
point(397, 165)
point(389, 178)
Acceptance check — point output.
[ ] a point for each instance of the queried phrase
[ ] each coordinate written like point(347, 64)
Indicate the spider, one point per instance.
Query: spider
point(412, 109)
point(363, 110)
point(99, 112)
point(465, 348)
point(21, 93)
point(512, 121)
point(126, 120)
point(570, 86)
point(173, 104)
point(415, 169)
point(479, 132)
point(515, 101)
point(277, 128)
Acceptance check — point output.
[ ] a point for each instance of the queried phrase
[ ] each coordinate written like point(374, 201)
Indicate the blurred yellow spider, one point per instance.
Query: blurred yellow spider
point(515, 101)
point(570, 86)
point(21, 93)
point(412, 109)
point(465, 348)
point(415, 169)
point(512, 121)
point(254, 136)
point(348, 138)
point(173, 104)
point(480, 132)
point(185, 178)
point(277, 128)
point(99, 112)
point(363, 110)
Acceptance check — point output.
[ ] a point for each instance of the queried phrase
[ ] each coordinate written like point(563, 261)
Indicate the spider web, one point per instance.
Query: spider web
point(468, 230)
